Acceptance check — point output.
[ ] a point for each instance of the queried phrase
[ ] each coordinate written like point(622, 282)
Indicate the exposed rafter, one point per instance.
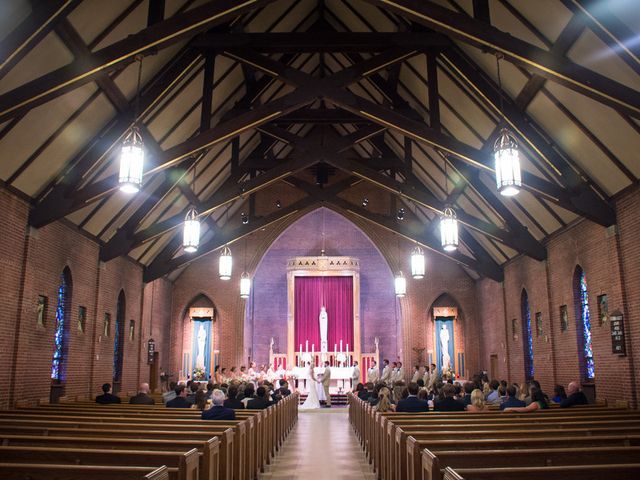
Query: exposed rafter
point(536, 59)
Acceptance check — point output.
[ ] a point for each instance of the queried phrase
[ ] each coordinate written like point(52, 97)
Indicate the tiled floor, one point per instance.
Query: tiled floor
point(321, 446)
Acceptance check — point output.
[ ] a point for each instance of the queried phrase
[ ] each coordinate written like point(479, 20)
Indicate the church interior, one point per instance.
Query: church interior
point(205, 191)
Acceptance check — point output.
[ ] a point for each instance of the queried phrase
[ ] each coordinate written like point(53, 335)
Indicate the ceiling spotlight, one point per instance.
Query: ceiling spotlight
point(400, 214)
point(278, 204)
point(365, 202)
point(244, 217)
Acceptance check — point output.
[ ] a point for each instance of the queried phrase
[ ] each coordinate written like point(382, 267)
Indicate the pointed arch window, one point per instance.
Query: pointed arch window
point(527, 340)
point(118, 342)
point(61, 334)
point(583, 317)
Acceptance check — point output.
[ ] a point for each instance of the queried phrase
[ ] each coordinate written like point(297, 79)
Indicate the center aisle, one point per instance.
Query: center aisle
point(322, 445)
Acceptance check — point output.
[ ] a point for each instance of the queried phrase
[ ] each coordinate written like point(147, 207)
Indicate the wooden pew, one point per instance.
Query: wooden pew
point(415, 448)
point(434, 462)
point(180, 465)
point(52, 471)
point(211, 467)
point(628, 471)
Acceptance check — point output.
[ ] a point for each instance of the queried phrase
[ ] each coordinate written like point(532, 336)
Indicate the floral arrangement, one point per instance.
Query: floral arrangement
point(199, 373)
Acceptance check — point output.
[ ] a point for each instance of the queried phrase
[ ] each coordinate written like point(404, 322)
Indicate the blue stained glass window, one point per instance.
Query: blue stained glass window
point(59, 338)
point(118, 343)
point(527, 339)
point(585, 323)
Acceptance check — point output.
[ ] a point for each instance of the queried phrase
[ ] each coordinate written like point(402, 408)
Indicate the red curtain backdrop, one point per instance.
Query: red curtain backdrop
point(336, 294)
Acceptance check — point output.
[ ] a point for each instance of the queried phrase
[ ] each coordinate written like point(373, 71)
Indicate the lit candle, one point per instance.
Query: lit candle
point(340, 345)
point(348, 357)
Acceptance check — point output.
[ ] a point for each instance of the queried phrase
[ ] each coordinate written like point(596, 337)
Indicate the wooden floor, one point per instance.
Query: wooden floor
point(322, 445)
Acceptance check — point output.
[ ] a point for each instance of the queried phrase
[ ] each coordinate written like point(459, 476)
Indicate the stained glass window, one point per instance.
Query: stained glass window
point(527, 340)
point(584, 326)
point(62, 320)
point(118, 343)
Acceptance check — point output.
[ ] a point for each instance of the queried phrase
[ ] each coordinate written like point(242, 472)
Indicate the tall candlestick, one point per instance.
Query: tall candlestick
point(348, 357)
point(307, 346)
point(340, 345)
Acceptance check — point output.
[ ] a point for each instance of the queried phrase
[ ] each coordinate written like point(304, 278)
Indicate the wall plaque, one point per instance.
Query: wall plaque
point(617, 333)
point(151, 349)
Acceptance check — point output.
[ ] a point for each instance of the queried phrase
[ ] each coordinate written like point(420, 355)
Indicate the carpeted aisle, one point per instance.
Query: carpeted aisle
point(321, 446)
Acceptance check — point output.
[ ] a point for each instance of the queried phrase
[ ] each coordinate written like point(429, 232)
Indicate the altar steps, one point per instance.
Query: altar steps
point(336, 399)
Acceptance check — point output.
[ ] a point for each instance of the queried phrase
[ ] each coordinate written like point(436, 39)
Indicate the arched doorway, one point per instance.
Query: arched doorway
point(118, 343)
point(61, 337)
point(200, 353)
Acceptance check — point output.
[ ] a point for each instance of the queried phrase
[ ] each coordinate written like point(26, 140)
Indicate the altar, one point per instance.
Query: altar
point(340, 378)
point(323, 319)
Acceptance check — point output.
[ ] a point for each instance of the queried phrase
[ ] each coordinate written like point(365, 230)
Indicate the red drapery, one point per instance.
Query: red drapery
point(336, 294)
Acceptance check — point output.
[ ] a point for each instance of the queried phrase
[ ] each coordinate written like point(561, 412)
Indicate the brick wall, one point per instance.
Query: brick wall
point(33, 262)
point(609, 260)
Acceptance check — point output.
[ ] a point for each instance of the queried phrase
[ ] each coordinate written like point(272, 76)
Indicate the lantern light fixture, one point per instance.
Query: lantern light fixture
point(507, 164)
point(191, 231)
point(132, 150)
point(449, 230)
point(245, 285)
point(417, 263)
point(225, 264)
point(400, 283)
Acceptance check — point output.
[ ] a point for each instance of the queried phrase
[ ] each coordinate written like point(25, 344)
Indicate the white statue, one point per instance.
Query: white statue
point(324, 319)
point(444, 346)
point(202, 338)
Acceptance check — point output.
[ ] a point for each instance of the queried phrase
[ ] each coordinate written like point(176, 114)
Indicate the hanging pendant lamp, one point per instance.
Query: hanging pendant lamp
point(417, 263)
point(132, 151)
point(508, 176)
point(225, 264)
point(191, 232)
point(245, 285)
point(449, 230)
point(505, 152)
point(400, 284)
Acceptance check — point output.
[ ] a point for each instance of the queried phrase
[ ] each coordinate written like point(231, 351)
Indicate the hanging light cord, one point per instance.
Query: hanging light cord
point(139, 84)
point(500, 93)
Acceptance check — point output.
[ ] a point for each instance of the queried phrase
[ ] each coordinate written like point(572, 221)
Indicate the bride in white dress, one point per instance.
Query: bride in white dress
point(312, 399)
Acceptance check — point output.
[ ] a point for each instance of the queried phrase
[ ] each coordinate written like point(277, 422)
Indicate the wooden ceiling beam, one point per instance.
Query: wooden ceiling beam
point(539, 61)
point(119, 54)
point(416, 193)
point(321, 42)
point(227, 235)
point(577, 195)
point(41, 21)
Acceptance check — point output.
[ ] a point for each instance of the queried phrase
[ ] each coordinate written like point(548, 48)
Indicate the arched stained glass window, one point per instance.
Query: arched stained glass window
point(61, 334)
point(583, 317)
point(527, 340)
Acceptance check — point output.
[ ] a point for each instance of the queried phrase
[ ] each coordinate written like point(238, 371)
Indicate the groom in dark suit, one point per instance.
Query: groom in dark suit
point(412, 403)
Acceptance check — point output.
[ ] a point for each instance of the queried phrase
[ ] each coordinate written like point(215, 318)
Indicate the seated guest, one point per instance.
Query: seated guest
point(493, 395)
point(512, 399)
point(232, 400)
point(384, 401)
point(181, 398)
point(374, 397)
point(142, 398)
point(191, 397)
point(535, 383)
point(477, 404)
point(210, 388)
point(559, 394)
point(218, 411)
point(359, 388)
point(448, 403)
point(249, 394)
point(261, 402)
point(365, 393)
point(538, 402)
point(412, 403)
point(575, 397)
point(106, 396)
point(170, 394)
point(201, 400)
point(283, 391)
point(468, 388)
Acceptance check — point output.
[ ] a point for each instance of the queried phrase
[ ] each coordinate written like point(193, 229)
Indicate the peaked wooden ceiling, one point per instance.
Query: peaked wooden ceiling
point(389, 95)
